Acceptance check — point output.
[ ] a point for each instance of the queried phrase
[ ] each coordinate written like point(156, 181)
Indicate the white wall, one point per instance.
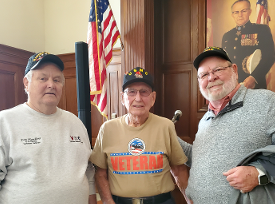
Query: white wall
point(47, 25)
point(66, 22)
point(22, 24)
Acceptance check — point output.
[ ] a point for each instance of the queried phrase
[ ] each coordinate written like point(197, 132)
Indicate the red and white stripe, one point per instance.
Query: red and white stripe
point(262, 15)
point(100, 55)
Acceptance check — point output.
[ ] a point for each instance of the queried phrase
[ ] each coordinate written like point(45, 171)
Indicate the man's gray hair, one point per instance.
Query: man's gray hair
point(28, 76)
point(240, 1)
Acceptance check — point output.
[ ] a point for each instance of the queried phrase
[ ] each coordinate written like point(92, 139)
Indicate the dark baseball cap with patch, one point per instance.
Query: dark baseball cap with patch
point(210, 51)
point(40, 57)
point(137, 74)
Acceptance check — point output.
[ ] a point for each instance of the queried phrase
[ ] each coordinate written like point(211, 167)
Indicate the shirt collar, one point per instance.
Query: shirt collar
point(226, 99)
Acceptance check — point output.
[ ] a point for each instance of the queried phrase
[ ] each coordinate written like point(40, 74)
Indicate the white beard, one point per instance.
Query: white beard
point(226, 89)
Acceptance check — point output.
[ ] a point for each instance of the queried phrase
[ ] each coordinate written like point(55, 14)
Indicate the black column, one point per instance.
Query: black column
point(83, 85)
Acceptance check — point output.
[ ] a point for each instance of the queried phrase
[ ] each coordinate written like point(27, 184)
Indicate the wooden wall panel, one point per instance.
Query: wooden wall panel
point(137, 34)
point(7, 89)
point(179, 38)
point(149, 39)
point(12, 67)
point(97, 121)
point(132, 28)
point(113, 100)
point(71, 95)
point(115, 85)
point(68, 99)
point(177, 96)
point(177, 31)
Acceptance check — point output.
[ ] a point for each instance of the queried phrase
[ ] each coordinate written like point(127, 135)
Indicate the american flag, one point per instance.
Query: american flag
point(262, 16)
point(102, 35)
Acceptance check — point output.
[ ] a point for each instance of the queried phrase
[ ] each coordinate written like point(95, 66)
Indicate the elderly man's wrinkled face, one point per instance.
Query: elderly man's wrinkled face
point(45, 87)
point(216, 78)
point(241, 12)
point(138, 98)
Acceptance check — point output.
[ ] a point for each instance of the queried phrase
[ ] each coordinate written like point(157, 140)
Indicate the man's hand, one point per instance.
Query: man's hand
point(244, 178)
point(250, 82)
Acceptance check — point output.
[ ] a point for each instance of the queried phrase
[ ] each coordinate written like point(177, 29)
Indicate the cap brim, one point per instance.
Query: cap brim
point(209, 53)
point(138, 80)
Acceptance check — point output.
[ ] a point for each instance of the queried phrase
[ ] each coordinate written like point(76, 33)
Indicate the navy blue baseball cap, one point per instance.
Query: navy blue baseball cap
point(137, 74)
point(40, 57)
point(210, 51)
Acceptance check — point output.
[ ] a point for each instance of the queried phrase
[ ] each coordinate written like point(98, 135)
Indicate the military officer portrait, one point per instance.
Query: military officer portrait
point(249, 43)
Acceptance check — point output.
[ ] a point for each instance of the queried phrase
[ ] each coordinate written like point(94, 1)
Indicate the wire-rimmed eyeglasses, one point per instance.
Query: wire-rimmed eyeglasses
point(216, 71)
point(142, 92)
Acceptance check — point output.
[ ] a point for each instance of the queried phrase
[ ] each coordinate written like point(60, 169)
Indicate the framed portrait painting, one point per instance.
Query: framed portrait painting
point(246, 31)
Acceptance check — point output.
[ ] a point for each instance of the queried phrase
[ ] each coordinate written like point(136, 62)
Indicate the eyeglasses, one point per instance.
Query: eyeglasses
point(242, 11)
point(142, 92)
point(216, 71)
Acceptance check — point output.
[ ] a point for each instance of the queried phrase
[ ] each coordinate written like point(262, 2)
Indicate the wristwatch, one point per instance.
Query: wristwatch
point(262, 178)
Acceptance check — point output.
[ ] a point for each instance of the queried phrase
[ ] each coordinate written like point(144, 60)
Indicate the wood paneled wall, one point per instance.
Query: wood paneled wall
point(137, 34)
point(179, 38)
point(12, 68)
point(114, 84)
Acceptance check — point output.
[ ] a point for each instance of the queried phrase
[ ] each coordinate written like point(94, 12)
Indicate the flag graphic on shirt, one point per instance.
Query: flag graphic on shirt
point(102, 35)
point(262, 16)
